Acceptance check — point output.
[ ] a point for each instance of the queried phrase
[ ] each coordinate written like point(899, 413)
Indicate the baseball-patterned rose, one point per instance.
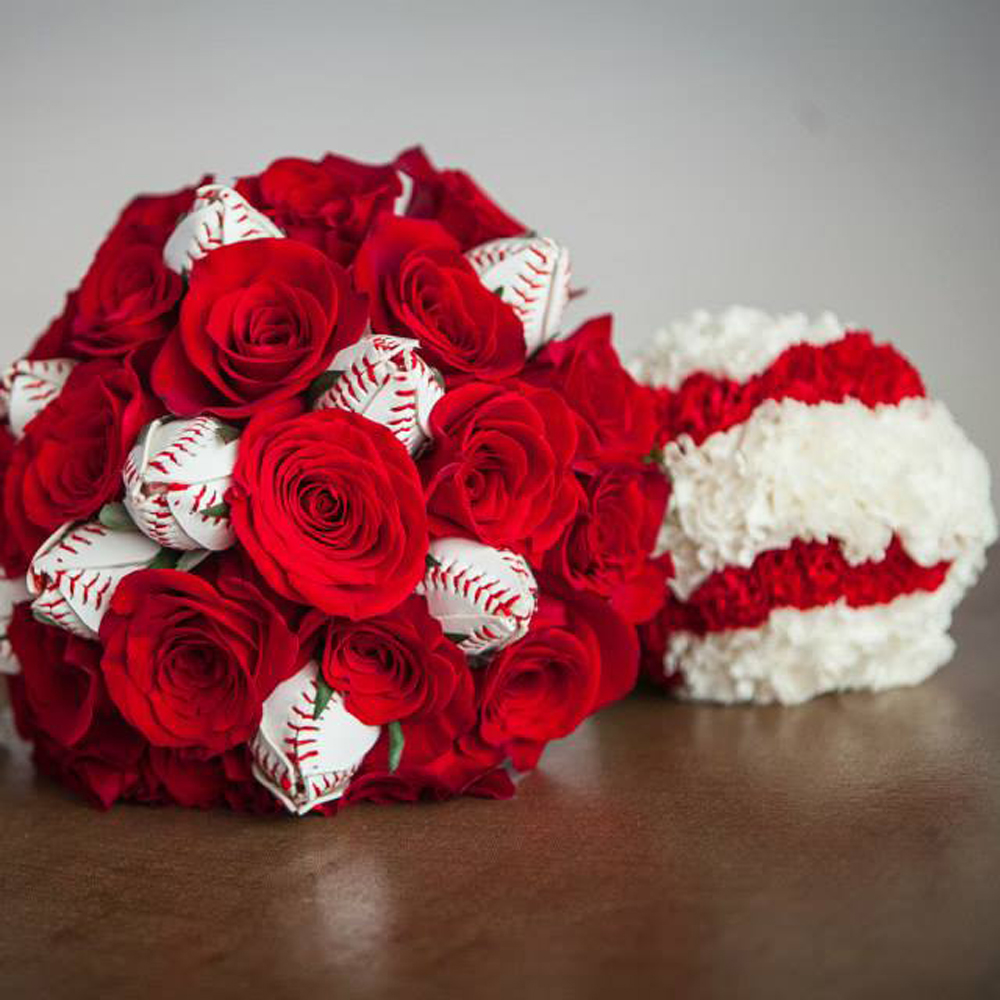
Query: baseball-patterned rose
point(189, 662)
point(260, 321)
point(500, 467)
point(577, 657)
point(329, 203)
point(69, 461)
point(330, 508)
point(421, 286)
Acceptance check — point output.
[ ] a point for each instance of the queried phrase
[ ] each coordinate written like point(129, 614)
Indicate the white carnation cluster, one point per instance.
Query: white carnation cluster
point(821, 472)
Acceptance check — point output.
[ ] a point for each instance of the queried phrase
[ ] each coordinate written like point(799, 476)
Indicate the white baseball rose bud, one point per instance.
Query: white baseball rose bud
point(175, 479)
point(531, 274)
point(218, 217)
point(27, 387)
point(11, 592)
point(307, 749)
point(74, 574)
point(384, 379)
point(483, 597)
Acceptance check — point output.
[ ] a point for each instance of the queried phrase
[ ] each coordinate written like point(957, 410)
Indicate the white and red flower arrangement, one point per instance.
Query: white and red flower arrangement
point(825, 515)
point(308, 501)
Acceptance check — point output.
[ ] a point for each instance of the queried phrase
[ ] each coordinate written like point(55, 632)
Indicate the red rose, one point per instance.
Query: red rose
point(190, 664)
point(576, 658)
point(154, 216)
point(452, 198)
point(14, 559)
point(618, 416)
point(63, 686)
point(260, 321)
point(605, 549)
point(128, 297)
point(466, 767)
point(395, 666)
point(500, 467)
point(329, 204)
point(69, 461)
point(102, 763)
point(329, 506)
point(421, 286)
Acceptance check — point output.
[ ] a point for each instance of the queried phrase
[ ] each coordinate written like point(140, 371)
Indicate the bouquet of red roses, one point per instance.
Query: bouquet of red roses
point(313, 505)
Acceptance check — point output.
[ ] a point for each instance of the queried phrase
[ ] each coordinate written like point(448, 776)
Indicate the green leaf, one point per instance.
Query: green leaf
point(116, 517)
point(189, 560)
point(322, 383)
point(226, 433)
point(498, 292)
point(217, 510)
point(323, 695)
point(396, 743)
point(432, 563)
point(164, 559)
point(655, 456)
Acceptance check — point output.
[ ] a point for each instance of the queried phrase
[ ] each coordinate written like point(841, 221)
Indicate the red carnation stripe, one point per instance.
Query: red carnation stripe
point(852, 367)
point(805, 575)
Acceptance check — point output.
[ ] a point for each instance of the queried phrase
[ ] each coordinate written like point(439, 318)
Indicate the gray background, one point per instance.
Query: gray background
point(789, 155)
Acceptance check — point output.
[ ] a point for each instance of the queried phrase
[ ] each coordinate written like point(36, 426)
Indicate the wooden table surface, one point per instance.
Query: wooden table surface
point(850, 847)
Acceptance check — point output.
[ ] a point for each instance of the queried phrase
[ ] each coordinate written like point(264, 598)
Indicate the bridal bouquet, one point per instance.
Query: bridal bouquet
point(307, 499)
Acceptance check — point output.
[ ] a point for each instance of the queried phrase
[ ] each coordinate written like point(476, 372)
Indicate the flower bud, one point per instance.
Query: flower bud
point(176, 477)
point(308, 746)
point(27, 387)
point(384, 379)
point(218, 218)
point(483, 597)
point(74, 574)
point(531, 274)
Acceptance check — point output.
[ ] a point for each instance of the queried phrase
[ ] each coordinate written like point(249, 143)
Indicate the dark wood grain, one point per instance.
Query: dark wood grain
point(850, 847)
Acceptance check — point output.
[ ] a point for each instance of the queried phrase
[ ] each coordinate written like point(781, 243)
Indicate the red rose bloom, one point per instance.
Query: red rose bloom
point(618, 417)
point(69, 461)
point(453, 199)
point(395, 666)
point(102, 761)
point(328, 204)
point(467, 766)
point(190, 664)
point(576, 658)
point(329, 506)
point(421, 286)
point(128, 297)
point(260, 321)
point(61, 675)
point(605, 549)
point(500, 467)
point(13, 558)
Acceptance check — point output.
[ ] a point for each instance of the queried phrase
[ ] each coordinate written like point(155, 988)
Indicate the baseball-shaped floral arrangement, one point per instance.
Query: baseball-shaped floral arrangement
point(307, 499)
point(825, 515)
